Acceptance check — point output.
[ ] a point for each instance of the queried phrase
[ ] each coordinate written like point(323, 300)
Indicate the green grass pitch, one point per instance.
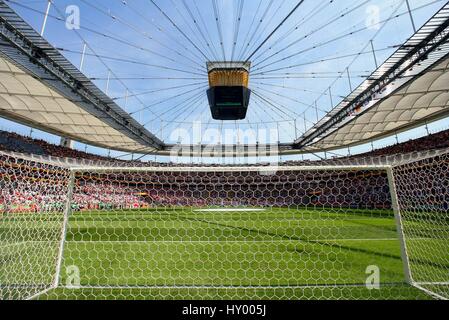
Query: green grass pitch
point(277, 253)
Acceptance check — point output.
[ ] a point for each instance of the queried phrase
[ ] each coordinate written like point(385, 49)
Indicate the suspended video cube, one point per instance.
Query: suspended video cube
point(228, 93)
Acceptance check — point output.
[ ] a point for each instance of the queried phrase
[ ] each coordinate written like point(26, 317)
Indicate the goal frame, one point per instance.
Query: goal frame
point(388, 169)
point(387, 166)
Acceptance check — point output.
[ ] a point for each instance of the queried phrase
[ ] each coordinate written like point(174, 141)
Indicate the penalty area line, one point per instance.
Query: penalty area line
point(234, 241)
point(230, 210)
point(191, 242)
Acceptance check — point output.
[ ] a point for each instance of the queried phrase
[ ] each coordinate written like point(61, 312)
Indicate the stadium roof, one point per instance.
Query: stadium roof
point(41, 88)
point(408, 90)
point(25, 99)
point(420, 101)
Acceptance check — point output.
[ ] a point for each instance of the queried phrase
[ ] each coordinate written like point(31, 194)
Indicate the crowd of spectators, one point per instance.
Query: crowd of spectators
point(431, 142)
point(100, 196)
point(18, 143)
point(25, 188)
point(31, 201)
point(10, 141)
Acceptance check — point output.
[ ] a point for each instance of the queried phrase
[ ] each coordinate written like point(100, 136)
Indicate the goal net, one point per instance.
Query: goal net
point(371, 231)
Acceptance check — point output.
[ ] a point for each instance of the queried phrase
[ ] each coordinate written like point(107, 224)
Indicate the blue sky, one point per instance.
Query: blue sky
point(156, 61)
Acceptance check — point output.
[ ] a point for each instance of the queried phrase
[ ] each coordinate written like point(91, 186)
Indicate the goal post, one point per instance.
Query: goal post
point(32, 199)
point(399, 226)
point(376, 231)
point(422, 192)
point(65, 221)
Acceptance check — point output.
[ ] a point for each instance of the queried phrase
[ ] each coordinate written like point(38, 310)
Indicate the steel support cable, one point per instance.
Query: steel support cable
point(297, 89)
point(249, 30)
point(299, 77)
point(261, 20)
point(276, 29)
point(206, 29)
point(253, 35)
point(287, 108)
point(237, 27)
point(308, 91)
point(124, 60)
point(320, 28)
point(62, 20)
point(254, 110)
point(317, 73)
point(323, 59)
point(179, 30)
point(302, 115)
point(102, 34)
point(163, 31)
point(285, 120)
point(208, 123)
point(251, 127)
point(102, 61)
point(197, 105)
point(262, 106)
point(144, 34)
point(183, 105)
point(159, 102)
point(364, 48)
point(311, 48)
point(381, 22)
point(192, 123)
point(261, 103)
point(140, 78)
point(180, 106)
point(384, 24)
point(335, 39)
point(197, 84)
point(192, 16)
point(267, 25)
point(165, 127)
point(220, 31)
point(276, 106)
point(191, 30)
point(193, 108)
point(304, 76)
point(303, 21)
point(287, 97)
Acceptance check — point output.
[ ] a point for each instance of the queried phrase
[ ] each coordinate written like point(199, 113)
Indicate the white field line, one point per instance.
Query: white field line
point(236, 241)
point(429, 292)
point(193, 287)
point(433, 283)
point(230, 210)
point(228, 169)
point(199, 241)
point(37, 295)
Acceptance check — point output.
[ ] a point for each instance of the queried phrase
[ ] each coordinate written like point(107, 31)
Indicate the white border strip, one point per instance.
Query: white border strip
point(230, 169)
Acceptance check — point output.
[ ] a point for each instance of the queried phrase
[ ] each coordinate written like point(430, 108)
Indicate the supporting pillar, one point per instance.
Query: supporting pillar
point(108, 82)
point(411, 16)
point(349, 79)
point(83, 55)
point(399, 227)
point(44, 24)
point(374, 54)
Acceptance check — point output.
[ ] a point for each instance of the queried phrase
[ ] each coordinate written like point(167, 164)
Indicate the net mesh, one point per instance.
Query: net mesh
point(224, 233)
point(423, 196)
point(33, 197)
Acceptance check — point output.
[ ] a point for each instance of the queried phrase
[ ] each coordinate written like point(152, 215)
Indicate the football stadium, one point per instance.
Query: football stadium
point(224, 150)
